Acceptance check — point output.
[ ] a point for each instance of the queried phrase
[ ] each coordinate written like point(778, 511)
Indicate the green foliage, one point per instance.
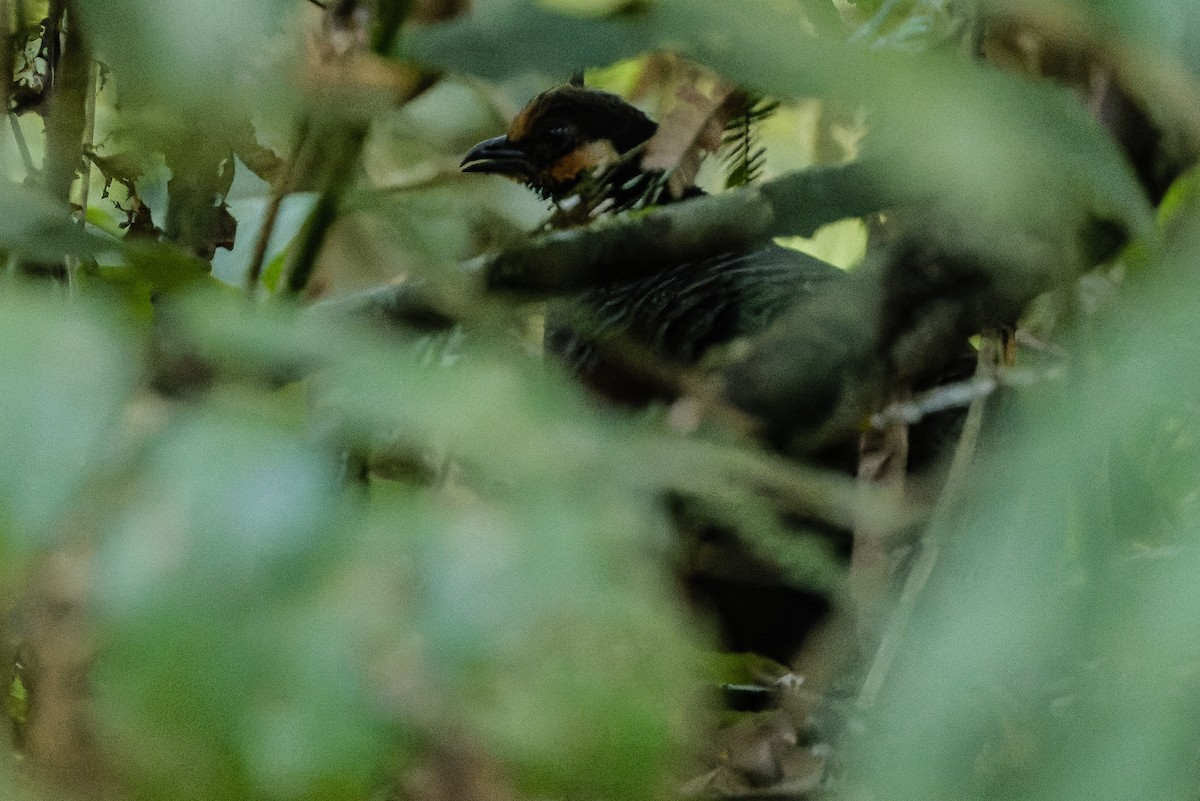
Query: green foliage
point(948, 126)
point(67, 379)
point(34, 225)
point(17, 702)
point(1061, 592)
point(316, 553)
point(744, 156)
point(214, 566)
point(182, 53)
point(249, 601)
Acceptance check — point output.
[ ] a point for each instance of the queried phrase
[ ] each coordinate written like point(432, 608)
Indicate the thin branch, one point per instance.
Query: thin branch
point(346, 149)
point(635, 245)
point(6, 54)
point(283, 183)
point(89, 134)
point(85, 170)
point(23, 147)
point(959, 394)
point(882, 466)
point(68, 98)
point(339, 174)
point(931, 546)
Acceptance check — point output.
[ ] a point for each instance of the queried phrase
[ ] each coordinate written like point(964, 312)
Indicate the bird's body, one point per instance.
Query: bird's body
point(676, 315)
point(573, 142)
point(577, 141)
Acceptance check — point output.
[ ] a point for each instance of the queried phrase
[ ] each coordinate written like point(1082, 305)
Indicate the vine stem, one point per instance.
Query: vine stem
point(22, 146)
point(312, 235)
point(346, 151)
point(85, 169)
point(89, 136)
point(280, 187)
point(932, 544)
point(7, 38)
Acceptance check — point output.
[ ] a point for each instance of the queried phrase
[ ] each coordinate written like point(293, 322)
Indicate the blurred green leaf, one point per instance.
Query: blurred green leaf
point(68, 371)
point(867, 7)
point(540, 615)
point(223, 653)
point(429, 228)
point(223, 502)
point(1045, 597)
point(825, 17)
point(1182, 194)
point(593, 8)
point(273, 271)
point(185, 52)
point(1164, 25)
point(534, 627)
point(34, 225)
point(509, 37)
point(491, 405)
point(163, 267)
point(988, 140)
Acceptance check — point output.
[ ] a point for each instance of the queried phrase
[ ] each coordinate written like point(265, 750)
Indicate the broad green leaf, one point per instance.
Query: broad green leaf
point(34, 225)
point(163, 267)
point(1165, 26)
point(228, 671)
point(988, 141)
point(182, 51)
point(541, 626)
point(1052, 654)
point(67, 373)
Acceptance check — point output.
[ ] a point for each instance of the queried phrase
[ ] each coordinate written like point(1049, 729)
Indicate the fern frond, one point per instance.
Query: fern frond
point(744, 157)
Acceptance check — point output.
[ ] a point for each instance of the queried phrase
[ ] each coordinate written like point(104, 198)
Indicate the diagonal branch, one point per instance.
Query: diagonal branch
point(644, 243)
point(639, 244)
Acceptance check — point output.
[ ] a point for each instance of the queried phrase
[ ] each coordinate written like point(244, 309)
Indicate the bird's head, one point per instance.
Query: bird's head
point(561, 135)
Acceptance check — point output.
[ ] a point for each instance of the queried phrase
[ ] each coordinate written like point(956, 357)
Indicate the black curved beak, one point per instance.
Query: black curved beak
point(497, 155)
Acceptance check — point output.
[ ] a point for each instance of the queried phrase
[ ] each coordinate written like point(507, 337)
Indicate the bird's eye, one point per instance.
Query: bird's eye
point(560, 133)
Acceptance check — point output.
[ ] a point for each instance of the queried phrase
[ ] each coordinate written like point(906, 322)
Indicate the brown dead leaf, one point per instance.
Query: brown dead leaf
point(688, 133)
point(759, 757)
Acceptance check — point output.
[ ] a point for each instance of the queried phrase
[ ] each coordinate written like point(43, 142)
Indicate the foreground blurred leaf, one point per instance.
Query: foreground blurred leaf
point(33, 224)
point(227, 674)
point(1048, 597)
point(183, 51)
point(67, 372)
point(529, 615)
point(1163, 25)
point(539, 627)
point(491, 405)
point(989, 141)
point(590, 8)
